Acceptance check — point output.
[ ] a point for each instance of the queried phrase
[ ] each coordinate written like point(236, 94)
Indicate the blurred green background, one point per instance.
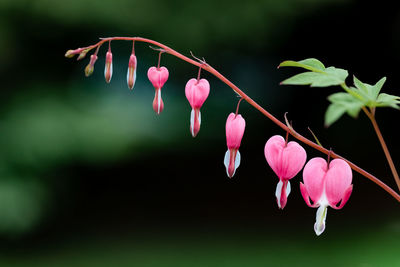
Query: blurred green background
point(90, 176)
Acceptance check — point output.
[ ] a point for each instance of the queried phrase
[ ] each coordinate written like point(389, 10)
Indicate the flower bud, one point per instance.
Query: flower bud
point(108, 70)
point(131, 74)
point(90, 67)
point(82, 54)
point(71, 53)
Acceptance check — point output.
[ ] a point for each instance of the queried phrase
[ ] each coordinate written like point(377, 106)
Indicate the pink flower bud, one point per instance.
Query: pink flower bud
point(326, 185)
point(108, 69)
point(158, 77)
point(90, 67)
point(131, 75)
point(71, 53)
point(82, 54)
point(234, 129)
point(286, 160)
point(196, 92)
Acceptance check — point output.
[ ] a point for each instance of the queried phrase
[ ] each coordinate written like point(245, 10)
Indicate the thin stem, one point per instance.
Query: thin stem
point(198, 75)
point(287, 138)
point(371, 115)
point(218, 75)
point(237, 107)
point(329, 157)
point(159, 60)
point(385, 150)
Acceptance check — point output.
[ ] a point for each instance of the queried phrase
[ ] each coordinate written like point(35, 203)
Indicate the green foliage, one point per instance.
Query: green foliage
point(341, 103)
point(317, 76)
point(351, 101)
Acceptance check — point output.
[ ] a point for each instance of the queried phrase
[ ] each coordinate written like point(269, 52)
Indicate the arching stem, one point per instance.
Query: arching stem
point(249, 100)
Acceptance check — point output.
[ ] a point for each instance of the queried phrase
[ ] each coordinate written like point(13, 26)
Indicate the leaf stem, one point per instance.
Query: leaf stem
point(371, 115)
point(384, 147)
point(249, 100)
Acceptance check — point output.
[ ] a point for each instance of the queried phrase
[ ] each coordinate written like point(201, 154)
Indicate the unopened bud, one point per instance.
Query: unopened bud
point(90, 67)
point(131, 75)
point(108, 70)
point(71, 53)
point(82, 54)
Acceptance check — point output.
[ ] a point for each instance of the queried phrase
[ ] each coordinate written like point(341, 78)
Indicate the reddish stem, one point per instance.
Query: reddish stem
point(159, 60)
point(214, 72)
point(237, 107)
point(198, 75)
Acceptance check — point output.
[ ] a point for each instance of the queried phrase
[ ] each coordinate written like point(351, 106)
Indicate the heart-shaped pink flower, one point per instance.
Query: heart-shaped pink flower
point(286, 160)
point(326, 185)
point(196, 92)
point(234, 128)
point(158, 77)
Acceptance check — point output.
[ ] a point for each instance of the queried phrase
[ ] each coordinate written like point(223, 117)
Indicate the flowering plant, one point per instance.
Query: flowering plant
point(326, 182)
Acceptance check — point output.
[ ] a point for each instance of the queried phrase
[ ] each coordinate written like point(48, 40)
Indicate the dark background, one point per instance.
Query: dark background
point(91, 176)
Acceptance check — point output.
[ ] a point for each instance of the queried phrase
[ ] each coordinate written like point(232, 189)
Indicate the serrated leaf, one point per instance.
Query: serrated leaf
point(312, 64)
point(360, 85)
point(386, 100)
point(333, 113)
point(319, 76)
point(350, 103)
point(369, 93)
point(377, 87)
point(302, 78)
point(333, 76)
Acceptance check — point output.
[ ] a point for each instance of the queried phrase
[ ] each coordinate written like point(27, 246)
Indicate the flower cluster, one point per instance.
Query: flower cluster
point(325, 183)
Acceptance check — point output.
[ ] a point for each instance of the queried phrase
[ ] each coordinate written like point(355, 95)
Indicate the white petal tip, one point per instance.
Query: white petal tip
point(319, 229)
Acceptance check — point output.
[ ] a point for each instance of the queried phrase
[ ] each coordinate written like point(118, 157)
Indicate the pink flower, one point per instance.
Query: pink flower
point(108, 69)
point(196, 92)
point(234, 128)
point(131, 74)
point(326, 185)
point(158, 77)
point(286, 160)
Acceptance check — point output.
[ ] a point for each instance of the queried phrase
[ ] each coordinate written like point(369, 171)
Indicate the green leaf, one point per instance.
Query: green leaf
point(332, 76)
point(386, 100)
point(312, 64)
point(377, 87)
point(318, 76)
point(369, 93)
point(333, 113)
point(341, 103)
point(361, 86)
point(302, 78)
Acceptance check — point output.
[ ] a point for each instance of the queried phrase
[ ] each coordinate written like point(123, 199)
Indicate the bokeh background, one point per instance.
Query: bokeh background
point(90, 176)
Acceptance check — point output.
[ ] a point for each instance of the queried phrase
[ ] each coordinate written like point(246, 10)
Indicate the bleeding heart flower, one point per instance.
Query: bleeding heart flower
point(108, 69)
point(286, 160)
point(158, 77)
point(326, 185)
point(196, 92)
point(234, 128)
point(131, 74)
